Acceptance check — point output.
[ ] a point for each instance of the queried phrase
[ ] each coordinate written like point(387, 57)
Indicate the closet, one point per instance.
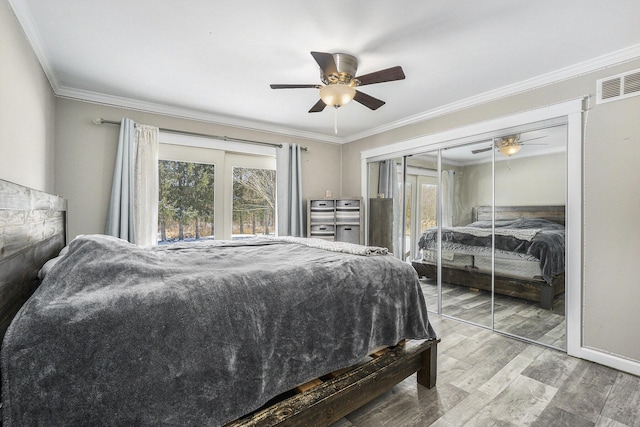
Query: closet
point(508, 189)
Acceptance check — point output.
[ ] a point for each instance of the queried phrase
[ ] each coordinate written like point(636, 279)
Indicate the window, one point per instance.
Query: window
point(208, 193)
point(428, 203)
point(420, 206)
point(186, 208)
point(254, 202)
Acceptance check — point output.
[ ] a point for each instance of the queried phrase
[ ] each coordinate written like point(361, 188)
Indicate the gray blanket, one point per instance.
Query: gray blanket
point(547, 244)
point(198, 334)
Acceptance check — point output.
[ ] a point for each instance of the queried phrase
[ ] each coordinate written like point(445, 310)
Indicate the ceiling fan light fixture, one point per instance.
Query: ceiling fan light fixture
point(510, 150)
point(337, 95)
point(508, 145)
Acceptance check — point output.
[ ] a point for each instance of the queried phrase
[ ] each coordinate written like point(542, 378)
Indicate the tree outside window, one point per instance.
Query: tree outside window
point(254, 198)
point(186, 210)
point(186, 202)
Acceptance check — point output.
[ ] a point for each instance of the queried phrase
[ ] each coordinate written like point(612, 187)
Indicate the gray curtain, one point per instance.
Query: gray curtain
point(448, 188)
point(133, 207)
point(388, 179)
point(289, 191)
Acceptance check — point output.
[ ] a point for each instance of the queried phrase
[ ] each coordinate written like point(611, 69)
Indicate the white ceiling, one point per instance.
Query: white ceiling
point(214, 60)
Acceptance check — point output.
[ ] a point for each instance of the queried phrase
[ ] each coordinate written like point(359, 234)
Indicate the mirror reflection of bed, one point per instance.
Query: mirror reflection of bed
point(529, 290)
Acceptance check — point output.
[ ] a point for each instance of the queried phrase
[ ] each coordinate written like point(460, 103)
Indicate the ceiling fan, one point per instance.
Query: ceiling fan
point(338, 73)
point(508, 145)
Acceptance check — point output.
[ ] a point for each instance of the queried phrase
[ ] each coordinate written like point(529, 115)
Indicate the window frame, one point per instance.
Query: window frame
point(224, 156)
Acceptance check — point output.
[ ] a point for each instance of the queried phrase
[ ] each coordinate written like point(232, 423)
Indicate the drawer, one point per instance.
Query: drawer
point(328, 238)
point(348, 233)
point(349, 204)
point(322, 204)
point(322, 229)
point(348, 217)
point(322, 217)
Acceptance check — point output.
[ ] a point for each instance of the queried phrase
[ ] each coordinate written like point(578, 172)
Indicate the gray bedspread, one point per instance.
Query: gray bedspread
point(546, 245)
point(196, 335)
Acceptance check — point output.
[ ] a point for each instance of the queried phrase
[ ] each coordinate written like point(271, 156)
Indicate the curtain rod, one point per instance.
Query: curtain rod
point(204, 135)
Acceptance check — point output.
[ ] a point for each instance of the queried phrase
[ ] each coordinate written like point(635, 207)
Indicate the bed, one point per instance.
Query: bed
point(529, 252)
point(220, 333)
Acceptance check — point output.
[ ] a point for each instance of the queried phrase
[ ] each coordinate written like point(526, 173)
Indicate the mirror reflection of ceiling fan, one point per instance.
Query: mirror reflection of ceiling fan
point(508, 145)
point(338, 73)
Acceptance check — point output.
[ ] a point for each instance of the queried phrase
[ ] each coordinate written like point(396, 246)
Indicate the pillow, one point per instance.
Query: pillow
point(49, 264)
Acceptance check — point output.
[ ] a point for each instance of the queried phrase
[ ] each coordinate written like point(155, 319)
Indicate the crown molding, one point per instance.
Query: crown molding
point(185, 113)
point(599, 63)
point(605, 61)
point(26, 21)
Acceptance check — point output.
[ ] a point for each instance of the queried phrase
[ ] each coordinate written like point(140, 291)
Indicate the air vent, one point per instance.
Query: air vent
point(616, 87)
point(632, 83)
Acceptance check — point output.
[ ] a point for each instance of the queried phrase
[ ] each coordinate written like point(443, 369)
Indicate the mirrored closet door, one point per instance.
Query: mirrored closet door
point(465, 256)
point(530, 205)
point(483, 224)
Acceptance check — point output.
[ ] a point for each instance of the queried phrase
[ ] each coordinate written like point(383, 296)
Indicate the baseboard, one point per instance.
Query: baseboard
point(611, 360)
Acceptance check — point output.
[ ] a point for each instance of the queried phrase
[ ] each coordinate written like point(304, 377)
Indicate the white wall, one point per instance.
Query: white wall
point(612, 210)
point(26, 110)
point(536, 181)
point(611, 198)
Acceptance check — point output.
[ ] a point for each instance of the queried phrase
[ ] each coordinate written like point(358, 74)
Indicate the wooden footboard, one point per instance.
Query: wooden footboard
point(529, 289)
point(335, 395)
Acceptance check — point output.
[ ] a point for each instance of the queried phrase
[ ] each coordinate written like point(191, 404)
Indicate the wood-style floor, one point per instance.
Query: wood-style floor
point(487, 379)
point(513, 316)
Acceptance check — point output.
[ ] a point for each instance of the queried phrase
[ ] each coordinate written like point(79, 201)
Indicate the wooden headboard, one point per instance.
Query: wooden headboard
point(32, 231)
point(551, 213)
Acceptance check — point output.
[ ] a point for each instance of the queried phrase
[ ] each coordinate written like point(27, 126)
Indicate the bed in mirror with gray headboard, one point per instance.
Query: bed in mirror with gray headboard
point(529, 255)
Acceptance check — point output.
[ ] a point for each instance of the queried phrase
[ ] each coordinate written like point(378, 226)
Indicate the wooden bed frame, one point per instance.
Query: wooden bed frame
point(530, 289)
point(33, 230)
point(326, 400)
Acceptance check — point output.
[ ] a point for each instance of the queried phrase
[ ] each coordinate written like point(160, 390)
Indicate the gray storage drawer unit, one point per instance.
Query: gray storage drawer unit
point(336, 219)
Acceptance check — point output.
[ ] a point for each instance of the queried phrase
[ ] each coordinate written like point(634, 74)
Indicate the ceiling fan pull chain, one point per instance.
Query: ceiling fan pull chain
point(335, 120)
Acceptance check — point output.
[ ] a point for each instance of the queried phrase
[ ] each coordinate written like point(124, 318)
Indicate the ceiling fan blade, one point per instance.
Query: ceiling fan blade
point(326, 62)
point(294, 86)
point(532, 139)
point(319, 106)
point(481, 150)
point(388, 75)
point(368, 100)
